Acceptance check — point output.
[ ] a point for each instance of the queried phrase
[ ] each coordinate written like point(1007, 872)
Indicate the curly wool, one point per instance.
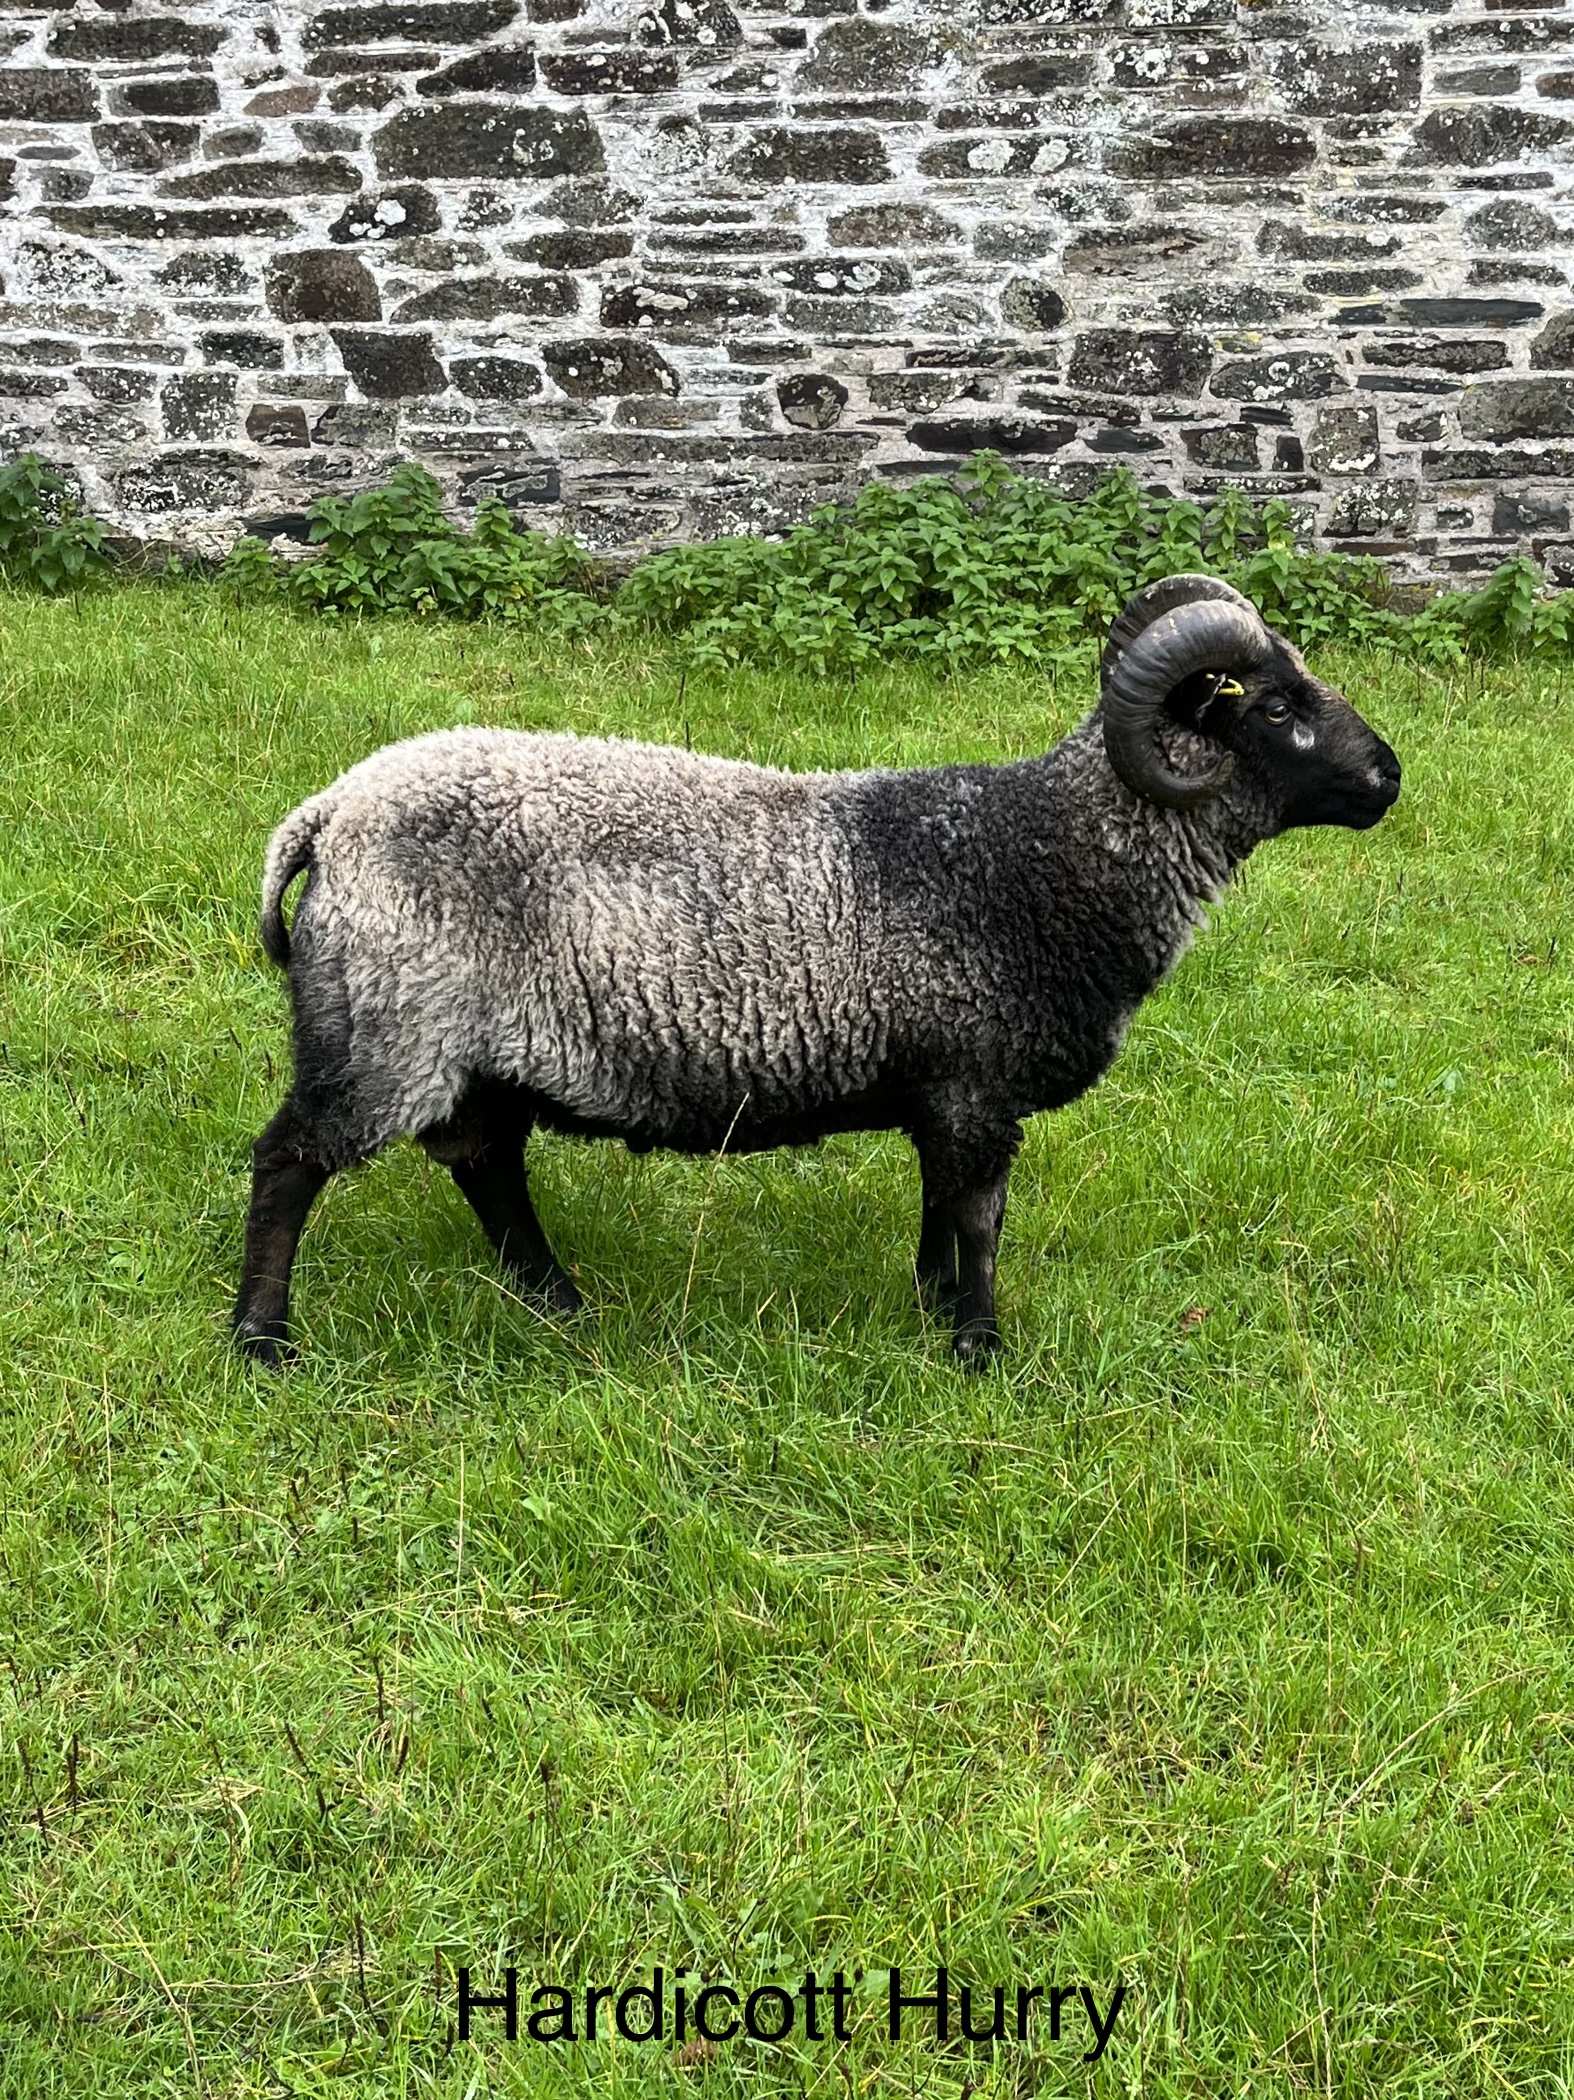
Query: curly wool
point(695, 952)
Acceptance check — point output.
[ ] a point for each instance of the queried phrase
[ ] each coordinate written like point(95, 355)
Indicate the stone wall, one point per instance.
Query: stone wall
point(693, 270)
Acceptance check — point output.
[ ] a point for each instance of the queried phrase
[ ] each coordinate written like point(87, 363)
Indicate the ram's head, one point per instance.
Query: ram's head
point(1190, 653)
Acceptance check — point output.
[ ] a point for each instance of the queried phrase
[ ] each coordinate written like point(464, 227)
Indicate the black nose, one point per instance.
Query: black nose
point(1388, 771)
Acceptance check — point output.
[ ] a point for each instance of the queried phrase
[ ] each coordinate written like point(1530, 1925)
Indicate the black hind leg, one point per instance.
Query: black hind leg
point(483, 1148)
point(287, 1177)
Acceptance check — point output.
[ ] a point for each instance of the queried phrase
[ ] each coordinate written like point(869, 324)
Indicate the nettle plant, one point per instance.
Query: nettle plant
point(394, 550)
point(990, 564)
point(984, 565)
point(45, 539)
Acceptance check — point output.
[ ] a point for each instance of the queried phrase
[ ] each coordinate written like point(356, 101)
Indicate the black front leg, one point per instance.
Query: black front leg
point(965, 1166)
point(935, 1264)
point(979, 1216)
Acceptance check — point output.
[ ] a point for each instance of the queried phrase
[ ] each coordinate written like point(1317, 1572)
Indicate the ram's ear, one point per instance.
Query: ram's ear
point(1203, 702)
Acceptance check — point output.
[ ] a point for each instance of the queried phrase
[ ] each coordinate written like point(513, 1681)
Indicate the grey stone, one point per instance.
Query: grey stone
point(1445, 354)
point(781, 156)
point(596, 365)
point(1322, 81)
point(329, 65)
point(1305, 244)
point(615, 72)
point(1398, 210)
point(1480, 80)
point(1465, 313)
point(1512, 224)
point(243, 346)
point(268, 178)
point(1230, 304)
point(685, 304)
point(1553, 348)
point(322, 284)
point(63, 185)
point(506, 68)
point(1374, 509)
point(80, 425)
point(233, 142)
point(1505, 463)
point(354, 425)
point(811, 400)
point(520, 485)
point(573, 248)
point(199, 405)
point(390, 367)
point(204, 270)
point(188, 95)
point(185, 481)
point(423, 21)
point(1530, 512)
point(485, 298)
point(830, 275)
point(318, 137)
point(1039, 75)
point(1514, 270)
point(495, 378)
point(590, 204)
point(118, 383)
point(1291, 375)
point(372, 91)
point(464, 139)
point(710, 24)
point(1214, 145)
point(142, 149)
point(387, 215)
point(1230, 447)
point(893, 226)
point(1476, 137)
point(47, 95)
point(1035, 308)
point(1360, 284)
point(1147, 361)
point(125, 39)
point(862, 53)
point(1344, 438)
point(1143, 250)
point(1518, 408)
point(1013, 434)
point(30, 386)
point(145, 222)
point(962, 159)
point(1012, 241)
point(269, 423)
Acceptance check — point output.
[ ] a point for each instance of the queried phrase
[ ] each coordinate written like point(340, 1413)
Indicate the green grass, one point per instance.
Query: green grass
point(1220, 1643)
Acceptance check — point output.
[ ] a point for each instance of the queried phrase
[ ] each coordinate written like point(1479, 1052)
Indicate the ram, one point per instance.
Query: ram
point(501, 932)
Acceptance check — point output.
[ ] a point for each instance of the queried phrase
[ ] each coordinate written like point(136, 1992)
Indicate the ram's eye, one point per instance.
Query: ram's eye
point(1277, 712)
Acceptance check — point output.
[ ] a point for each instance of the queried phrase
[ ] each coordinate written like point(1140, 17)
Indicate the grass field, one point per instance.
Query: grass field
point(1219, 1644)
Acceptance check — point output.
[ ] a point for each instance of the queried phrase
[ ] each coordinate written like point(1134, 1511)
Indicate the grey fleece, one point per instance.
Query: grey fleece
point(691, 951)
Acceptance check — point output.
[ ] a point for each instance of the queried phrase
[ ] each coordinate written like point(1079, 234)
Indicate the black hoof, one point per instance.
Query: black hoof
point(267, 1347)
point(977, 1344)
point(555, 1295)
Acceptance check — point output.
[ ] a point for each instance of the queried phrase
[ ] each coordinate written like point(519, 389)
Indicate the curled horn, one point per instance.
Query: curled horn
point(1162, 597)
point(1216, 632)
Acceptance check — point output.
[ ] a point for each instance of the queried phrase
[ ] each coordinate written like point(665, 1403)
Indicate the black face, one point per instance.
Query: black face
point(1302, 742)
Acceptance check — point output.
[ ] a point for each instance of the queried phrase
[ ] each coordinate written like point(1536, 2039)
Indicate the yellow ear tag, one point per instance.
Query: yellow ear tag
point(1229, 689)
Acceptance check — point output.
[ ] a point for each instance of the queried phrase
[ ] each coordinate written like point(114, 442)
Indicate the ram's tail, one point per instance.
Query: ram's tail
point(289, 852)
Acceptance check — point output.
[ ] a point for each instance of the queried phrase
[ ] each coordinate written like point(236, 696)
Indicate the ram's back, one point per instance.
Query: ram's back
point(647, 937)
